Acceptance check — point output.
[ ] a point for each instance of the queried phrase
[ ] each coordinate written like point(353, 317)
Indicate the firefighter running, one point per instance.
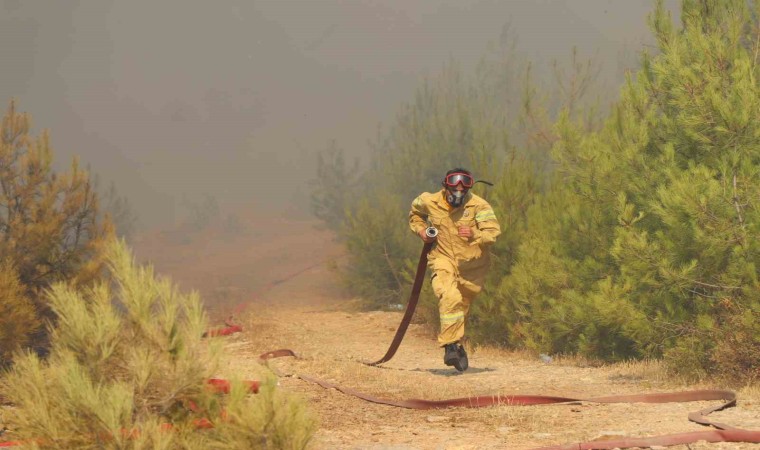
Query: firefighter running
point(460, 259)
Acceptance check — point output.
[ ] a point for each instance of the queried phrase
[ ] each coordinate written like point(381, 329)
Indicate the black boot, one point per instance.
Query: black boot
point(451, 354)
point(463, 363)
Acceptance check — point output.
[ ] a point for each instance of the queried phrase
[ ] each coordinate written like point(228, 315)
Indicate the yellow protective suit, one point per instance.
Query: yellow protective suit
point(459, 265)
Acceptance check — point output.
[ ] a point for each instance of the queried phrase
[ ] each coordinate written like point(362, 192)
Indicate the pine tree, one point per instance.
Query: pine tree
point(654, 237)
point(332, 190)
point(49, 225)
point(118, 209)
point(18, 319)
point(128, 369)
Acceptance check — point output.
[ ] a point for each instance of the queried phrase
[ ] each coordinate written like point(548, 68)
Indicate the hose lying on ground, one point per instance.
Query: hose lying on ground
point(721, 433)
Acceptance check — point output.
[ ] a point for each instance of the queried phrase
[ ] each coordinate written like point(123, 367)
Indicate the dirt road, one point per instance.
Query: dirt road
point(276, 278)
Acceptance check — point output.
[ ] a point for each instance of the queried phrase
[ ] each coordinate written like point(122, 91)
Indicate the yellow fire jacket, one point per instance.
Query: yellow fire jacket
point(451, 251)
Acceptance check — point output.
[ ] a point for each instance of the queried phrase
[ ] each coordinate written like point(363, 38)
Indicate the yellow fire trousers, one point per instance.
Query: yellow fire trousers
point(455, 294)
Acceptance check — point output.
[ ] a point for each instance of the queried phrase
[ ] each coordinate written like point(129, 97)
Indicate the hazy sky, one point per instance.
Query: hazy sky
point(232, 98)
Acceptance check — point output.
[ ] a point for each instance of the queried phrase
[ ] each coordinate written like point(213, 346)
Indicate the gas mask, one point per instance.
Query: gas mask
point(455, 198)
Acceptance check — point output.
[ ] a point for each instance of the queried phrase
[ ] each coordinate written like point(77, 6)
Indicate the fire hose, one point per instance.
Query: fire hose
point(411, 305)
point(722, 432)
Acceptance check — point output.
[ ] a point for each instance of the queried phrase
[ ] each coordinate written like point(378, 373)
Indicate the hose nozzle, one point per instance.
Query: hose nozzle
point(431, 232)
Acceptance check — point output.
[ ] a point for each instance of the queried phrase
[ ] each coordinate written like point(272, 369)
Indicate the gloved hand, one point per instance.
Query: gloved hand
point(425, 238)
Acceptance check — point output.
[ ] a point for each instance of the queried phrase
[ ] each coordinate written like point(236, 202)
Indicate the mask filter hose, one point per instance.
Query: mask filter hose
point(431, 232)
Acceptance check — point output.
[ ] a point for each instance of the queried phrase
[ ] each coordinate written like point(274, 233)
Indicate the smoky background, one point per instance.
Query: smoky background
point(181, 104)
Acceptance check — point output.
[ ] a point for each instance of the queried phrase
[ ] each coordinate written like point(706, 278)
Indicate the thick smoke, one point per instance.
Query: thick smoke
point(177, 101)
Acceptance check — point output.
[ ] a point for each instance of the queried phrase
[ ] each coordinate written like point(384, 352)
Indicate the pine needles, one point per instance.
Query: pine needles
point(128, 370)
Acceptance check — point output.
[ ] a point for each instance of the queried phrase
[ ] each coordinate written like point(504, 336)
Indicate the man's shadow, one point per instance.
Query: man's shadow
point(448, 372)
point(454, 373)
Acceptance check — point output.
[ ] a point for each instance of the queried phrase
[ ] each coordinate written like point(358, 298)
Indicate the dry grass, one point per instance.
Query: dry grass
point(490, 352)
point(525, 418)
point(647, 371)
point(750, 393)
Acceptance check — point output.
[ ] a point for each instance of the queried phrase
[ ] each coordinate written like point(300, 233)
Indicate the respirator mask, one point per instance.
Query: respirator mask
point(456, 197)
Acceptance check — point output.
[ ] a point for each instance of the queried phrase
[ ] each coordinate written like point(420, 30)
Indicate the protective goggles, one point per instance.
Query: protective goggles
point(453, 179)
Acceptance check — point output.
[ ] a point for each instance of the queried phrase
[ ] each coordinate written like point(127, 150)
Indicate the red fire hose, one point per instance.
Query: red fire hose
point(411, 305)
point(722, 433)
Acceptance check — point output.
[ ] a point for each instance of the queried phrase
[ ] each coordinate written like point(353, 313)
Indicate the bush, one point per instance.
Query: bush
point(17, 316)
point(201, 213)
point(119, 211)
point(50, 230)
point(333, 188)
point(127, 359)
point(737, 350)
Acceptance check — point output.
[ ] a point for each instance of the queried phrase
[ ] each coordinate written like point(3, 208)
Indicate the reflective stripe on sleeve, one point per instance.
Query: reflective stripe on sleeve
point(482, 216)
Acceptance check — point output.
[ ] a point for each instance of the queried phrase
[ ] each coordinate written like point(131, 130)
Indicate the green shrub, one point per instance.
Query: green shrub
point(737, 349)
point(659, 213)
point(127, 358)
